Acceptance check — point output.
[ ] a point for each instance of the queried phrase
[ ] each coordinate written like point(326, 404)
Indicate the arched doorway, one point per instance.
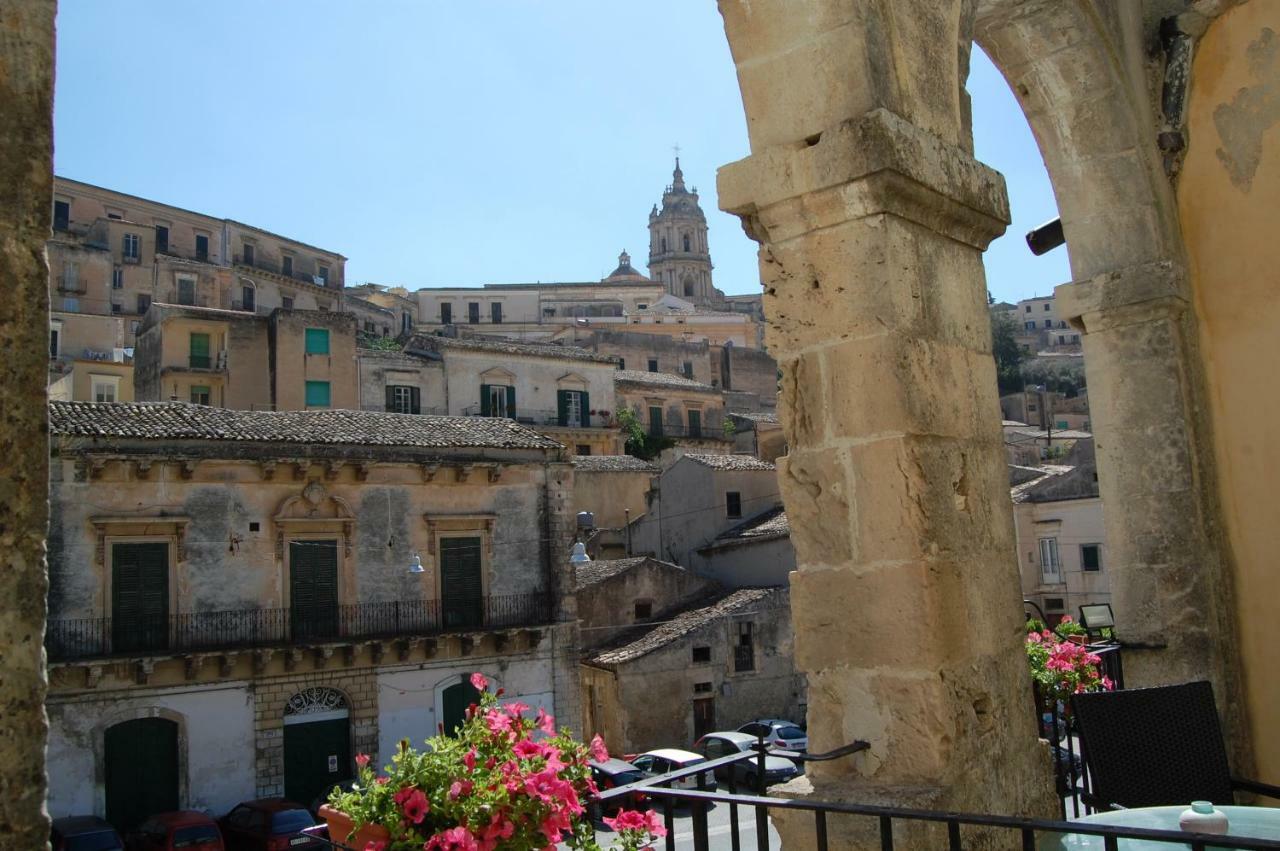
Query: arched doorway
point(454, 701)
point(141, 770)
point(317, 743)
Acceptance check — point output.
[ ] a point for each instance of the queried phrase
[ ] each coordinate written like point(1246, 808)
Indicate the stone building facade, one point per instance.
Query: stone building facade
point(289, 360)
point(234, 607)
point(719, 661)
point(112, 254)
point(671, 406)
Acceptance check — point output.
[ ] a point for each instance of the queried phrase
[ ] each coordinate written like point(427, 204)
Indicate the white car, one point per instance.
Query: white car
point(666, 760)
point(778, 733)
point(715, 745)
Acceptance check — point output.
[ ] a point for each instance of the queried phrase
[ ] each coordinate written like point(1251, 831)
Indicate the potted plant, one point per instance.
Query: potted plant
point(1062, 667)
point(504, 782)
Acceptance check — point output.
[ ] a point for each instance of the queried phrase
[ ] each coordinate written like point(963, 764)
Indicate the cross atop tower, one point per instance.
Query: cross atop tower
point(676, 148)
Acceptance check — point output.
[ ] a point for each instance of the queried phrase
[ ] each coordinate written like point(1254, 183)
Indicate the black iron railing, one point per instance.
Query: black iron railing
point(954, 831)
point(90, 638)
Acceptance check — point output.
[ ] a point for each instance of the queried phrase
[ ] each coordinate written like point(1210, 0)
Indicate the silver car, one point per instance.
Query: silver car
point(745, 773)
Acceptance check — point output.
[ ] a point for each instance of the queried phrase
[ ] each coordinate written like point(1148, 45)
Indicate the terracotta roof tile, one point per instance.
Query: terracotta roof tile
point(612, 464)
point(729, 462)
point(706, 611)
point(660, 379)
point(181, 421)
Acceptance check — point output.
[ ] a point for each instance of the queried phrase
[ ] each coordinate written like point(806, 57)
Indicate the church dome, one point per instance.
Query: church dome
point(625, 270)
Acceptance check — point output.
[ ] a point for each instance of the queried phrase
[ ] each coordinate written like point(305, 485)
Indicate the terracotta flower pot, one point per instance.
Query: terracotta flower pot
point(341, 825)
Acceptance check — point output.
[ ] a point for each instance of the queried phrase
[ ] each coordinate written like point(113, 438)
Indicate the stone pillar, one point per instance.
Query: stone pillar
point(26, 184)
point(561, 530)
point(906, 601)
point(1170, 586)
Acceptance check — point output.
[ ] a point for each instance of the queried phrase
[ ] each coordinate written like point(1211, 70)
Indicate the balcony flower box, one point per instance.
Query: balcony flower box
point(502, 782)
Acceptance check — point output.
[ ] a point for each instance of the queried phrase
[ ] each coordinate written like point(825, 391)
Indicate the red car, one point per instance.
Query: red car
point(185, 830)
point(268, 824)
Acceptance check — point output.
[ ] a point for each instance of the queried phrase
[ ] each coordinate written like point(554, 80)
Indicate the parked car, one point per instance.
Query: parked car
point(268, 824)
point(84, 833)
point(777, 769)
point(666, 760)
point(614, 773)
point(184, 830)
point(778, 733)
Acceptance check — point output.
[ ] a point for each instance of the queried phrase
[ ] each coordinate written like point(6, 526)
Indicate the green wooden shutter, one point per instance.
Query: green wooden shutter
point(391, 398)
point(461, 588)
point(655, 421)
point(415, 400)
point(200, 351)
point(139, 597)
point(511, 402)
point(313, 589)
point(484, 400)
point(562, 407)
point(586, 409)
point(695, 424)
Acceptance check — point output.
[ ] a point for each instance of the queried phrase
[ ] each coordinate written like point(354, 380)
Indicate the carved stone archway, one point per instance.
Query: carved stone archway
point(872, 214)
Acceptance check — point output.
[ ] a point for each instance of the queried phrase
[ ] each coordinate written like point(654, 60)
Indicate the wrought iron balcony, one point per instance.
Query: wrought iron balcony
point(526, 416)
point(95, 638)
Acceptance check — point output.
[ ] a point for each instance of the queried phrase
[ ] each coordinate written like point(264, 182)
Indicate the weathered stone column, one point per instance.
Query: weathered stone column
point(1170, 585)
point(26, 186)
point(906, 600)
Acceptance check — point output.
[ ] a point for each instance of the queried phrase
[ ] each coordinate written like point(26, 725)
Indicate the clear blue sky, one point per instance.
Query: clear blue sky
point(449, 143)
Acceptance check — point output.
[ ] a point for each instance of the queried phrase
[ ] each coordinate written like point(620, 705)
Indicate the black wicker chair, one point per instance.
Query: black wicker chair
point(1152, 747)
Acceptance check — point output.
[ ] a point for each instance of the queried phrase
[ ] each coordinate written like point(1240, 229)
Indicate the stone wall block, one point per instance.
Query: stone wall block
point(816, 494)
point(862, 617)
point(800, 406)
point(26, 184)
point(893, 382)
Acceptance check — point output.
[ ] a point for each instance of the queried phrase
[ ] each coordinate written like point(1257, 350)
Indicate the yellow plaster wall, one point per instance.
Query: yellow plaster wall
point(1227, 198)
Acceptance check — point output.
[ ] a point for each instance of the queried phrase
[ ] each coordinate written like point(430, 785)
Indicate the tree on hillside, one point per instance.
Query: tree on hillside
point(1008, 354)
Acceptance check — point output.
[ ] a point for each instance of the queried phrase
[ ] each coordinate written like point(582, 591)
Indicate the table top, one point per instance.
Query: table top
point(1252, 822)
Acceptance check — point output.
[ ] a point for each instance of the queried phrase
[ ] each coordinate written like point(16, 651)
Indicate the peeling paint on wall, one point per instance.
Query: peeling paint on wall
point(1251, 113)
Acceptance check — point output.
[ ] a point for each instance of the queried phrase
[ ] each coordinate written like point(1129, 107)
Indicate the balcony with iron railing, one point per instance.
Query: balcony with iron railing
point(534, 417)
point(78, 639)
point(260, 264)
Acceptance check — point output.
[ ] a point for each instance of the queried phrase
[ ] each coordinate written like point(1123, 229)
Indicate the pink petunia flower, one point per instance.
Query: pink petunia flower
point(515, 708)
point(362, 759)
point(598, 751)
point(478, 681)
point(459, 788)
point(469, 759)
point(546, 723)
point(415, 806)
point(526, 749)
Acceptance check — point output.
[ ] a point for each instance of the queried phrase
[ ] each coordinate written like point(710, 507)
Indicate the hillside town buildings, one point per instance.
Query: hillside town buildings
point(241, 601)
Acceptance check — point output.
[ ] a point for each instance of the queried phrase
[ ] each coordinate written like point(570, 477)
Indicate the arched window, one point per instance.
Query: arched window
point(686, 242)
point(688, 287)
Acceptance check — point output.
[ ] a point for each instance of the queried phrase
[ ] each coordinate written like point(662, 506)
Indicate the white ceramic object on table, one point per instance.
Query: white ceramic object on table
point(1203, 817)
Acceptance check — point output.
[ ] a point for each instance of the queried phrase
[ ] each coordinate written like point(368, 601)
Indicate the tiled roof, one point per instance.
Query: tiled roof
point(598, 571)
point(729, 462)
point(181, 421)
point(1042, 434)
point(1021, 492)
point(612, 464)
point(769, 417)
point(706, 611)
point(506, 347)
point(660, 379)
point(766, 526)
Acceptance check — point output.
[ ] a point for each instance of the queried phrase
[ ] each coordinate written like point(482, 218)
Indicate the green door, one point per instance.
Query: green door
point(455, 700)
point(200, 351)
point(461, 591)
point(139, 597)
point(141, 759)
point(313, 590)
point(317, 755)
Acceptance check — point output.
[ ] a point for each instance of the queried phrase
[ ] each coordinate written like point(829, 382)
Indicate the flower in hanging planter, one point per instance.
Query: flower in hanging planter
point(503, 782)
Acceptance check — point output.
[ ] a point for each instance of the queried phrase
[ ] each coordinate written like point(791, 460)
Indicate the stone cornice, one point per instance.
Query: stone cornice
point(878, 163)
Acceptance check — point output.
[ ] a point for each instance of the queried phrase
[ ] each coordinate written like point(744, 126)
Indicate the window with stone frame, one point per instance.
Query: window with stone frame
point(744, 653)
point(404, 399)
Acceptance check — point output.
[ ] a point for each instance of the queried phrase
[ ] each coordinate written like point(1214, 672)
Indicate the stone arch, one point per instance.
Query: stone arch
point(872, 215)
point(113, 716)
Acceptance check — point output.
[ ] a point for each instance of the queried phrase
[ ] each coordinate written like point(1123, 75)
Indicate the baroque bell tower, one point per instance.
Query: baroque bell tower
point(678, 255)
